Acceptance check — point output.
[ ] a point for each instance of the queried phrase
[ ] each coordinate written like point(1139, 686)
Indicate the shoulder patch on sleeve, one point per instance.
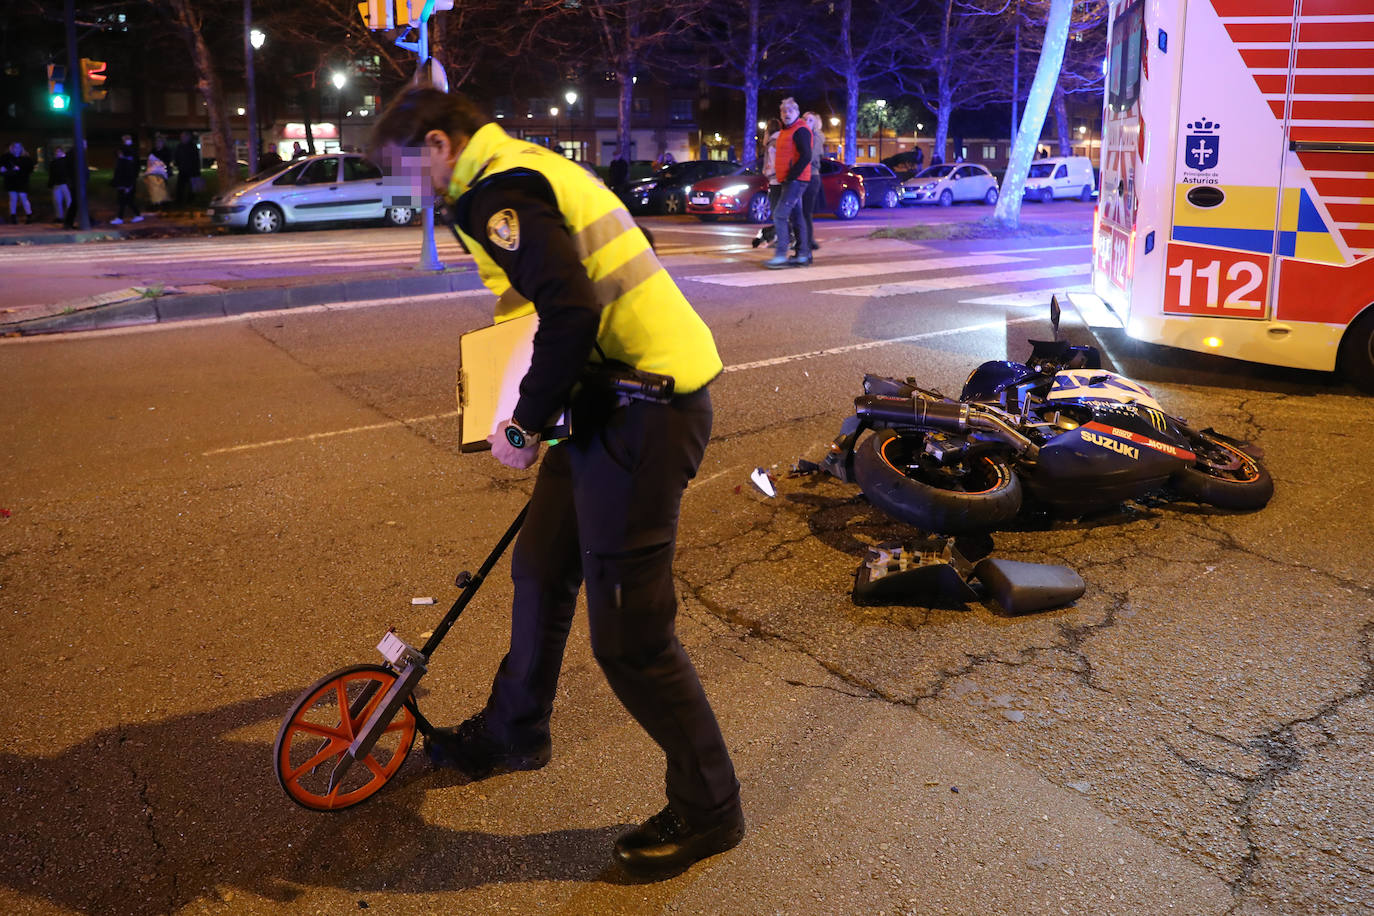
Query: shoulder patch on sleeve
point(504, 229)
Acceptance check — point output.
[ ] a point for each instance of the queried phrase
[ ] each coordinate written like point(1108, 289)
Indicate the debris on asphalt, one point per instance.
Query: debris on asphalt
point(764, 481)
point(422, 601)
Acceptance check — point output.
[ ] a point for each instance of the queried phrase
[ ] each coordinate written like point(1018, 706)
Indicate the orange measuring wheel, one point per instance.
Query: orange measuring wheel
point(321, 726)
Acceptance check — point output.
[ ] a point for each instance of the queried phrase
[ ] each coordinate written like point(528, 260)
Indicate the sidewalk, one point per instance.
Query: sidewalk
point(135, 305)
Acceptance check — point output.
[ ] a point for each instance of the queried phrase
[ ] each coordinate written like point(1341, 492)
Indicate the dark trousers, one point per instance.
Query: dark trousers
point(604, 513)
point(791, 200)
point(811, 198)
point(126, 199)
point(184, 189)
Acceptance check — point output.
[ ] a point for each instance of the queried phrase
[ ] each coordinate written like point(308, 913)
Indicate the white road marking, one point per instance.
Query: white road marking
point(249, 446)
point(873, 344)
point(939, 284)
point(738, 367)
point(851, 270)
point(1023, 299)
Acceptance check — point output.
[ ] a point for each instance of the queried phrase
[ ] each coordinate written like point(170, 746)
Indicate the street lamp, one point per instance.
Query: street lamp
point(571, 98)
point(553, 113)
point(252, 40)
point(880, 104)
point(339, 79)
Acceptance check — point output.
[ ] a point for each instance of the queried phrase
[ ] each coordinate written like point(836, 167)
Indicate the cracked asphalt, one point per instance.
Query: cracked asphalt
point(203, 520)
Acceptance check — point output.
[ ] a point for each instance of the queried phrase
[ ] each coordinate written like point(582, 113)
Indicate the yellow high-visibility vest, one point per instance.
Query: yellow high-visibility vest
point(646, 322)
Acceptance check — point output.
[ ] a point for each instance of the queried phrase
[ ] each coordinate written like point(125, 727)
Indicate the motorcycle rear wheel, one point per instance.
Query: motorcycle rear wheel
point(1224, 476)
point(898, 477)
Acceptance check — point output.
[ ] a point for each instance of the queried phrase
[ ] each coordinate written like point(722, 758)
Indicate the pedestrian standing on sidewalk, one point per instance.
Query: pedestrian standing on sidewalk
point(155, 180)
point(60, 182)
point(794, 169)
point(69, 220)
point(549, 239)
point(187, 158)
point(17, 166)
point(125, 178)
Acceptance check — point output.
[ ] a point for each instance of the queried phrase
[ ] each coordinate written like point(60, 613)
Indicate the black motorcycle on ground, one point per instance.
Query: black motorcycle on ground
point(1056, 433)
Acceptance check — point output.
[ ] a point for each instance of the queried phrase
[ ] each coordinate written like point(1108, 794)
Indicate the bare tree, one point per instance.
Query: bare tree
point(959, 62)
point(1008, 212)
point(187, 17)
point(750, 55)
point(863, 43)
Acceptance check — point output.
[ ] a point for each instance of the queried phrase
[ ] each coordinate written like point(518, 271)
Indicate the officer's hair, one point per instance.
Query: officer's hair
point(417, 111)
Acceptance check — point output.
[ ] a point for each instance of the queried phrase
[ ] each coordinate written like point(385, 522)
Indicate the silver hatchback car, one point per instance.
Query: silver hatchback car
point(316, 189)
point(948, 184)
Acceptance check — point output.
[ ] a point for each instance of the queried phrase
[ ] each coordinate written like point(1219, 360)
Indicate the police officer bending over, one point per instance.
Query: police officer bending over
point(550, 238)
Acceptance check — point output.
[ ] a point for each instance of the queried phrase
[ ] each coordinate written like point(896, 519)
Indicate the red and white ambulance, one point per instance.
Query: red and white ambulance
point(1236, 212)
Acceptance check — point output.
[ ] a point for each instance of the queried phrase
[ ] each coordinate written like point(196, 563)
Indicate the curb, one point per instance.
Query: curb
point(233, 302)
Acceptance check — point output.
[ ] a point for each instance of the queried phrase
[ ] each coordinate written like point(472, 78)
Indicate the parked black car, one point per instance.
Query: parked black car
point(882, 186)
point(665, 191)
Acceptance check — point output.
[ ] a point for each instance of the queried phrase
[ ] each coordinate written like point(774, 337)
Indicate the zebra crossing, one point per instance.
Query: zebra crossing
point(852, 267)
point(911, 270)
point(235, 252)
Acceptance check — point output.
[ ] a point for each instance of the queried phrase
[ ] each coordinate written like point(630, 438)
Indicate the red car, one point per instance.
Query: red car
point(745, 193)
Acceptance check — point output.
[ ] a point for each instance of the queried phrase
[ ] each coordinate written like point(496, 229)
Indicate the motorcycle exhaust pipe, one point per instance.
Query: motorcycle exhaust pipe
point(950, 416)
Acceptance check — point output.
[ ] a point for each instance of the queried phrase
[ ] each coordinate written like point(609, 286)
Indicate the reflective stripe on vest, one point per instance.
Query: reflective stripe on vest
point(645, 320)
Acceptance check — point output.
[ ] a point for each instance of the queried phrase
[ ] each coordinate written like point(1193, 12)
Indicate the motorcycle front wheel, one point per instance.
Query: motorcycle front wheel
point(1224, 476)
point(897, 476)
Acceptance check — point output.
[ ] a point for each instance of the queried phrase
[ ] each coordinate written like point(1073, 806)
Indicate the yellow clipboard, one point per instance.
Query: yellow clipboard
point(491, 363)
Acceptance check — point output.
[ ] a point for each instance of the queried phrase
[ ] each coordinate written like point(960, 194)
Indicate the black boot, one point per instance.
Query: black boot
point(471, 749)
point(666, 843)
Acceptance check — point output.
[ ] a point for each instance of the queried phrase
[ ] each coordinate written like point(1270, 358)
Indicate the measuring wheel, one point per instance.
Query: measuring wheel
point(321, 727)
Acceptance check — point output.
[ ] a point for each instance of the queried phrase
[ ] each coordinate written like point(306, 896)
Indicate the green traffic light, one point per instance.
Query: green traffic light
point(59, 102)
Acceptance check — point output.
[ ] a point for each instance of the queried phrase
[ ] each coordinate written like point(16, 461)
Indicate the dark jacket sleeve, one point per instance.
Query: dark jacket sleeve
point(801, 138)
point(537, 254)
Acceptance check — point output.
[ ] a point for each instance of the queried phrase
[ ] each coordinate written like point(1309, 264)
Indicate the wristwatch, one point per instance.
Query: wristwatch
point(520, 437)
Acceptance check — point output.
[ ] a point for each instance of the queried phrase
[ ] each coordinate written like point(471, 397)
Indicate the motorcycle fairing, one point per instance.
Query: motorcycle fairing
point(1119, 454)
point(988, 381)
point(1098, 384)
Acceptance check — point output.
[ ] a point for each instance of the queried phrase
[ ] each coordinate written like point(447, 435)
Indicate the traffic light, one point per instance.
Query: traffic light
point(92, 80)
point(384, 15)
point(58, 100)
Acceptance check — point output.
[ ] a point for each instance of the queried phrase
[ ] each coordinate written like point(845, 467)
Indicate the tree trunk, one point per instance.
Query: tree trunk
point(1061, 121)
point(1015, 75)
point(942, 87)
point(851, 117)
point(187, 17)
point(1008, 212)
point(752, 82)
point(625, 80)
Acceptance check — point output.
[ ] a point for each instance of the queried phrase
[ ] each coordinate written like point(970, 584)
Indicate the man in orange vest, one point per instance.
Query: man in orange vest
point(793, 165)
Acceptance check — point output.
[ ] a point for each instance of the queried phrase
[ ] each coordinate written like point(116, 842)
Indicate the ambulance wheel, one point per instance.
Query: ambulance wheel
point(1224, 476)
point(1356, 359)
point(898, 476)
point(322, 724)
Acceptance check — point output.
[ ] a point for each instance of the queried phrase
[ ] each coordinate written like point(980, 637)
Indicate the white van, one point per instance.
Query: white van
point(1060, 176)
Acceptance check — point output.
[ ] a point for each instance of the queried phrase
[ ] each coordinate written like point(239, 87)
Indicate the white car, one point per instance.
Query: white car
point(316, 189)
point(948, 184)
point(1059, 177)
